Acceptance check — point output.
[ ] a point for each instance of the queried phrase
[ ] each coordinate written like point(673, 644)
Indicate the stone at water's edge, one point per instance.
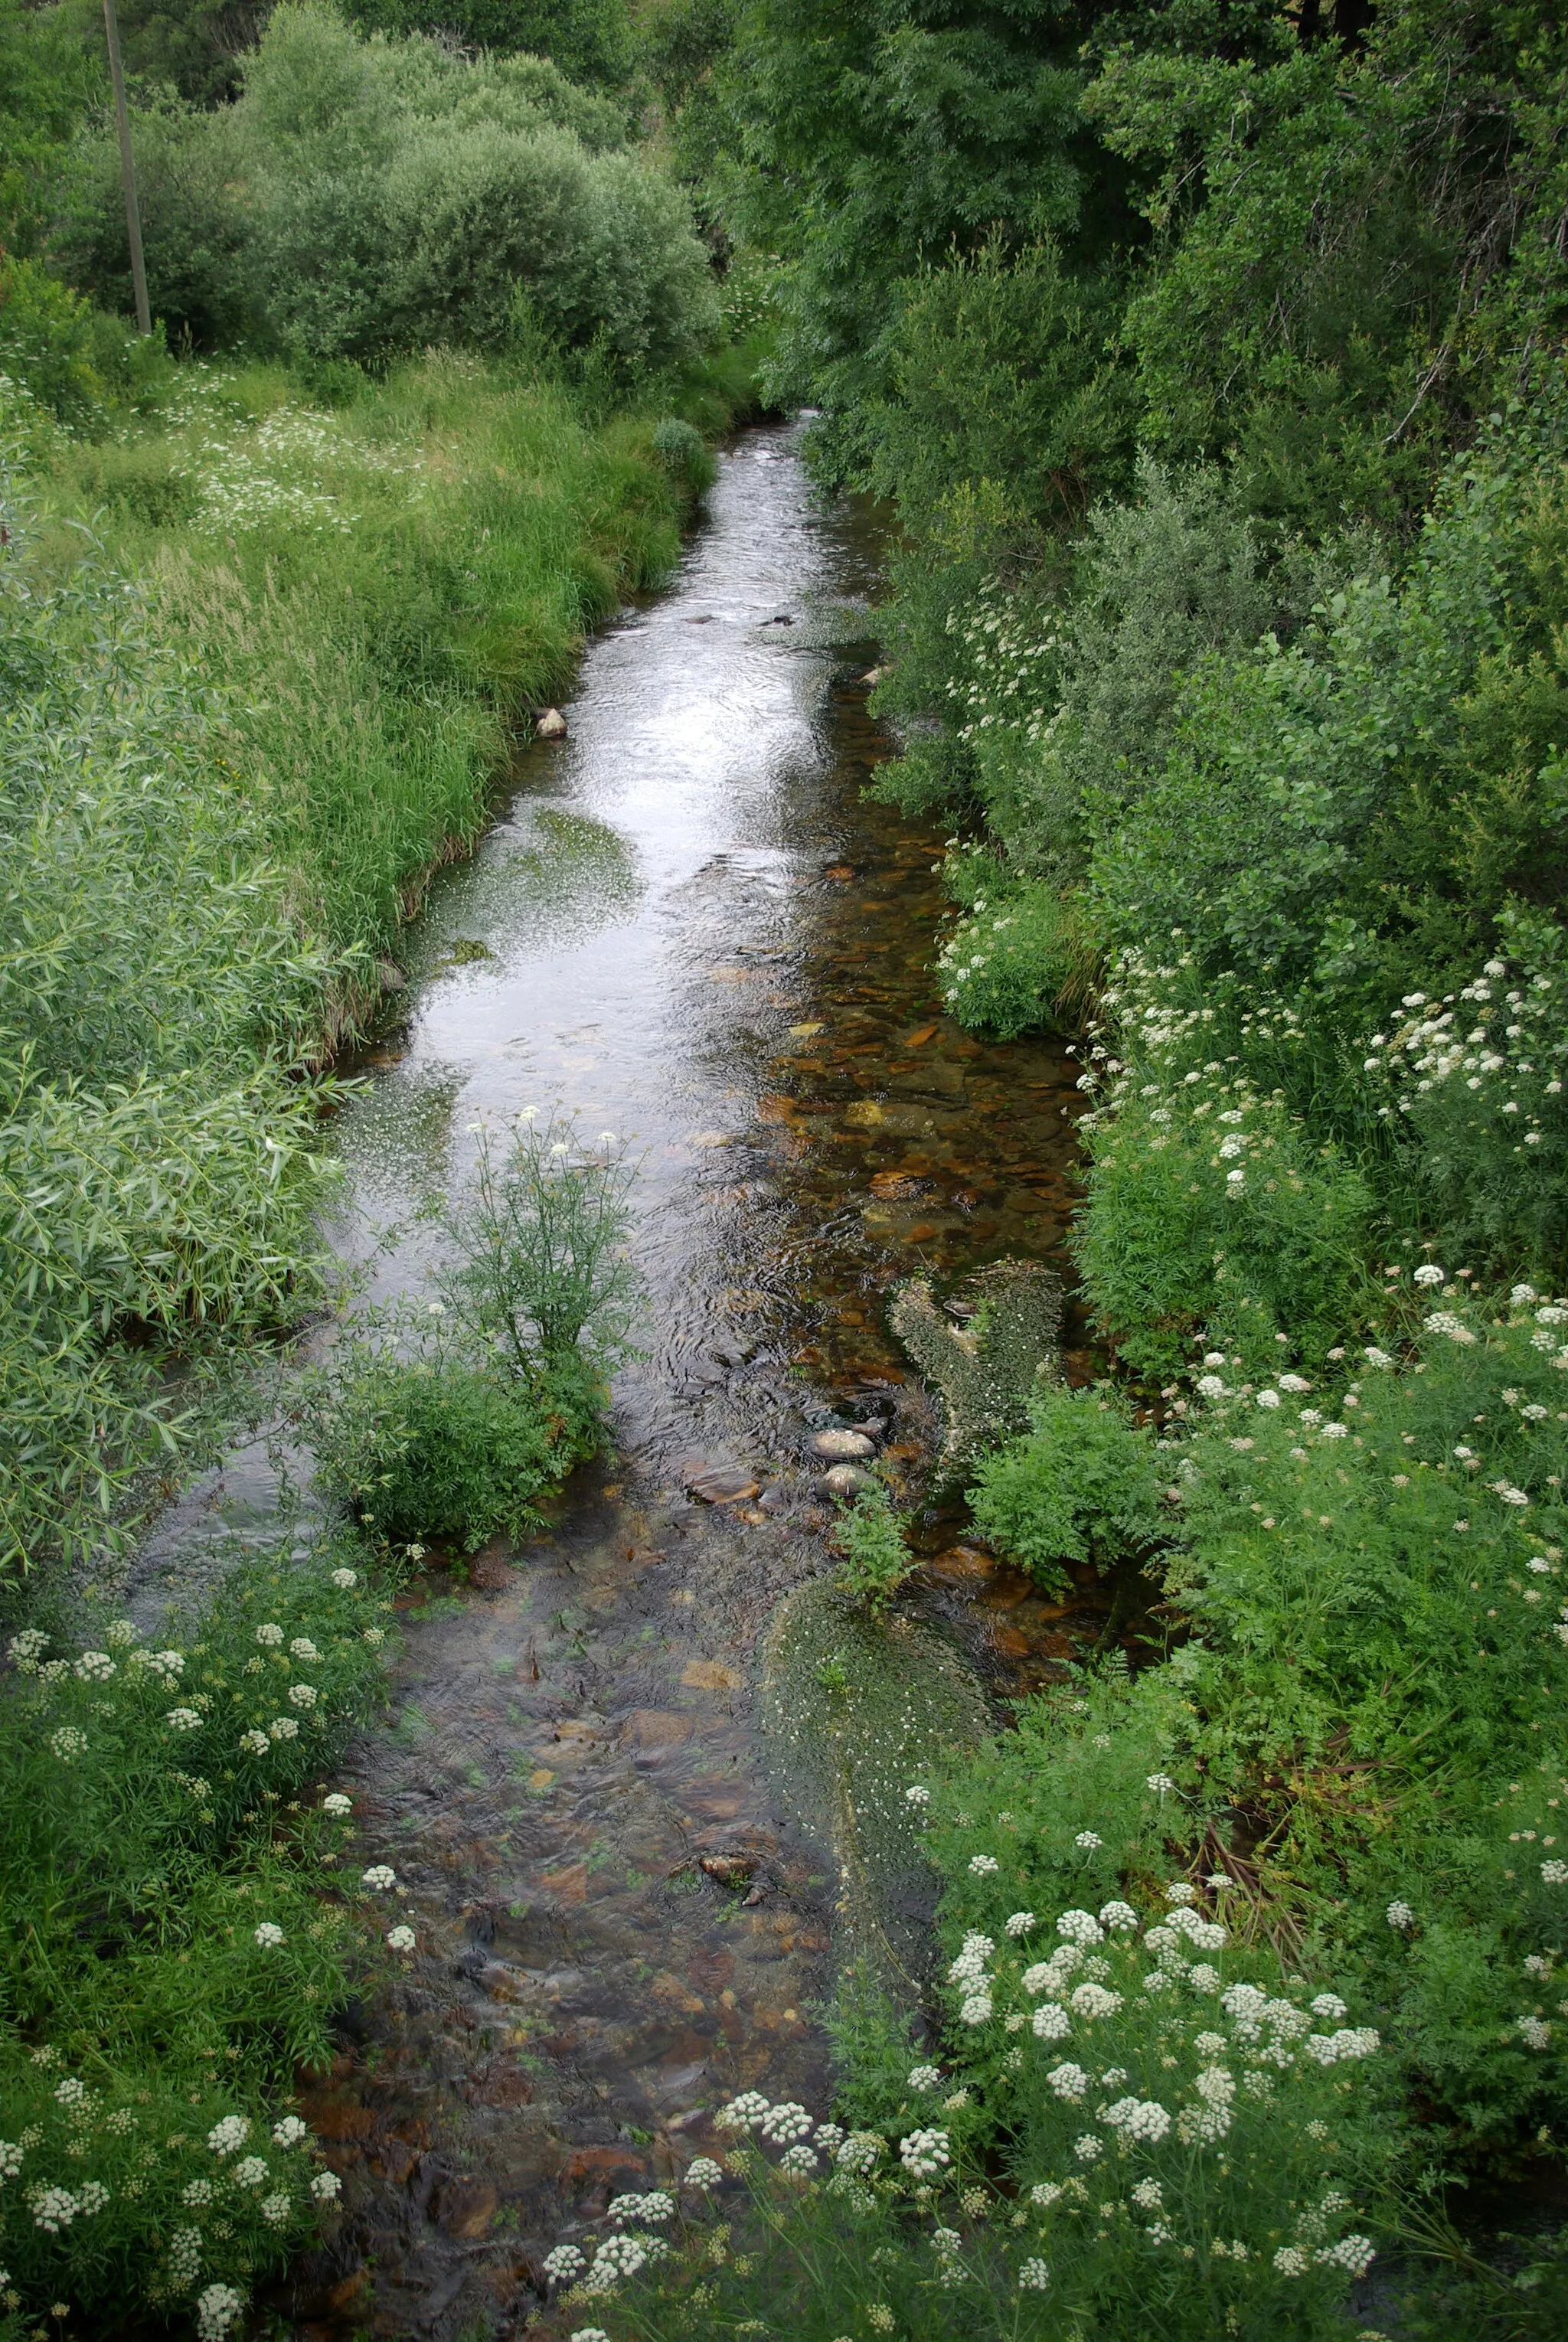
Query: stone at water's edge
point(843, 1446)
point(550, 726)
point(844, 1480)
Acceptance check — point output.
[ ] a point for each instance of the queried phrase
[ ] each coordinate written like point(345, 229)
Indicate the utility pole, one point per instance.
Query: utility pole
point(128, 173)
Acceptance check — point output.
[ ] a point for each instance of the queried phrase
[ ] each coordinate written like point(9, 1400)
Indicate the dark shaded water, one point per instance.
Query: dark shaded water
point(688, 925)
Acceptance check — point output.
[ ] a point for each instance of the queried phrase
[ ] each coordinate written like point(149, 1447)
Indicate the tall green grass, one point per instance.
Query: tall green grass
point(262, 652)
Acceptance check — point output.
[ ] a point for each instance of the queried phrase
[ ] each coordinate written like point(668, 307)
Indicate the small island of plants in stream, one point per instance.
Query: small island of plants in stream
point(1211, 359)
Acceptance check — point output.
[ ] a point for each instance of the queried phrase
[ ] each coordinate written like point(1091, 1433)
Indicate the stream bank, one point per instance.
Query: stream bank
point(688, 925)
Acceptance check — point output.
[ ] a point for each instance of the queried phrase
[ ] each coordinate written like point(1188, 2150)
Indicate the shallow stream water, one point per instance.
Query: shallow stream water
point(687, 924)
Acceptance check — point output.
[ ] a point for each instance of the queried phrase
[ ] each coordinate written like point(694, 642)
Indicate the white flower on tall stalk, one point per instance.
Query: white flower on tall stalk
point(344, 1578)
point(380, 1877)
point(269, 1635)
point(326, 2186)
point(290, 2131)
point(984, 1866)
point(184, 1720)
point(1430, 1274)
point(400, 1939)
point(924, 2153)
point(337, 1804)
point(1020, 1923)
point(268, 1936)
point(924, 2077)
point(227, 2137)
point(283, 1727)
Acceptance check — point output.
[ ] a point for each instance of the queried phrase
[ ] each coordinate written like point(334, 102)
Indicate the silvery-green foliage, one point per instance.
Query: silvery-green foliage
point(540, 1271)
point(400, 195)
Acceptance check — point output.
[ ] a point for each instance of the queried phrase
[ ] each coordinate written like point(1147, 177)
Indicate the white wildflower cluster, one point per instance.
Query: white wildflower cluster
point(1201, 2061)
point(218, 2309)
point(1496, 1049)
point(655, 2207)
point(926, 2153)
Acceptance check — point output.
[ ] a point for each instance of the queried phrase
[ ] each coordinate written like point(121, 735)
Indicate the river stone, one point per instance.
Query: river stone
point(551, 724)
point(844, 1480)
point(723, 1484)
point(843, 1446)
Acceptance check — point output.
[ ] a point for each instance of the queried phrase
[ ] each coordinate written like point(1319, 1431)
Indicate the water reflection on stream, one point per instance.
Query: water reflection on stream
point(687, 924)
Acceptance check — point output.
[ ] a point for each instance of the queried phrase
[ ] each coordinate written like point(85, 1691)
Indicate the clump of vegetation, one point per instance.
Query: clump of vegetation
point(1083, 1485)
point(366, 196)
point(875, 1560)
point(455, 1422)
point(169, 1959)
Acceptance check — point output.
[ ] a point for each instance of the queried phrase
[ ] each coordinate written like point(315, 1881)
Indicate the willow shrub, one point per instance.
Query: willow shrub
point(168, 1961)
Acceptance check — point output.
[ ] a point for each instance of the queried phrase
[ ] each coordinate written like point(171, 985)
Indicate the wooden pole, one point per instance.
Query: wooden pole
point(128, 173)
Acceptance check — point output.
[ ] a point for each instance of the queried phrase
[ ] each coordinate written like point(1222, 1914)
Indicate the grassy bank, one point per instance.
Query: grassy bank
point(265, 656)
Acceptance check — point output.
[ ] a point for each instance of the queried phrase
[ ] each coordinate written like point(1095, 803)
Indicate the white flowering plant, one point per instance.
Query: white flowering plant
point(1473, 1086)
point(1214, 1206)
point(1372, 1559)
point(126, 2182)
point(1182, 2135)
point(161, 1900)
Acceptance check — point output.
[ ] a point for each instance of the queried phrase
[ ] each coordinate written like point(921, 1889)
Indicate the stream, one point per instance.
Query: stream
point(687, 924)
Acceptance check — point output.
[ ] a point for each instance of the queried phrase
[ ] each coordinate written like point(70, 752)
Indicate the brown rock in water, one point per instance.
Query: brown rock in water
point(844, 1480)
point(729, 1869)
point(843, 1446)
point(465, 2207)
point(550, 726)
point(723, 1484)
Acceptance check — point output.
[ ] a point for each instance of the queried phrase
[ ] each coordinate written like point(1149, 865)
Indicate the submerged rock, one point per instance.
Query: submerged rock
point(843, 1447)
point(844, 1480)
point(985, 1366)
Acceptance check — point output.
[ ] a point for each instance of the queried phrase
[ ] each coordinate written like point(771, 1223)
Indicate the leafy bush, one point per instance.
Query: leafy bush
point(168, 1961)
point(680, 449)
point(876, 1559)
point(66, 355)
point(367, 197)
point(442, 1447)
point(1214, 1212)
point(1018, 962)
point(1083, 1486)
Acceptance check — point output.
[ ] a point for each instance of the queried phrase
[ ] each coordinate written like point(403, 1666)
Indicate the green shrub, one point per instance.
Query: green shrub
point(167, 1963)
point(876, 1559)
point(1214, 1212)
point(540, 1270)
point(682, 451)
point(1084, 1485)
point(442, 1447)
point(365, 197)
point(1019, 961)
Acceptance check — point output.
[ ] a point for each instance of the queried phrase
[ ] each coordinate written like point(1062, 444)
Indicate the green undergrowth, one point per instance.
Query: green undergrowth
point(181, 1918)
